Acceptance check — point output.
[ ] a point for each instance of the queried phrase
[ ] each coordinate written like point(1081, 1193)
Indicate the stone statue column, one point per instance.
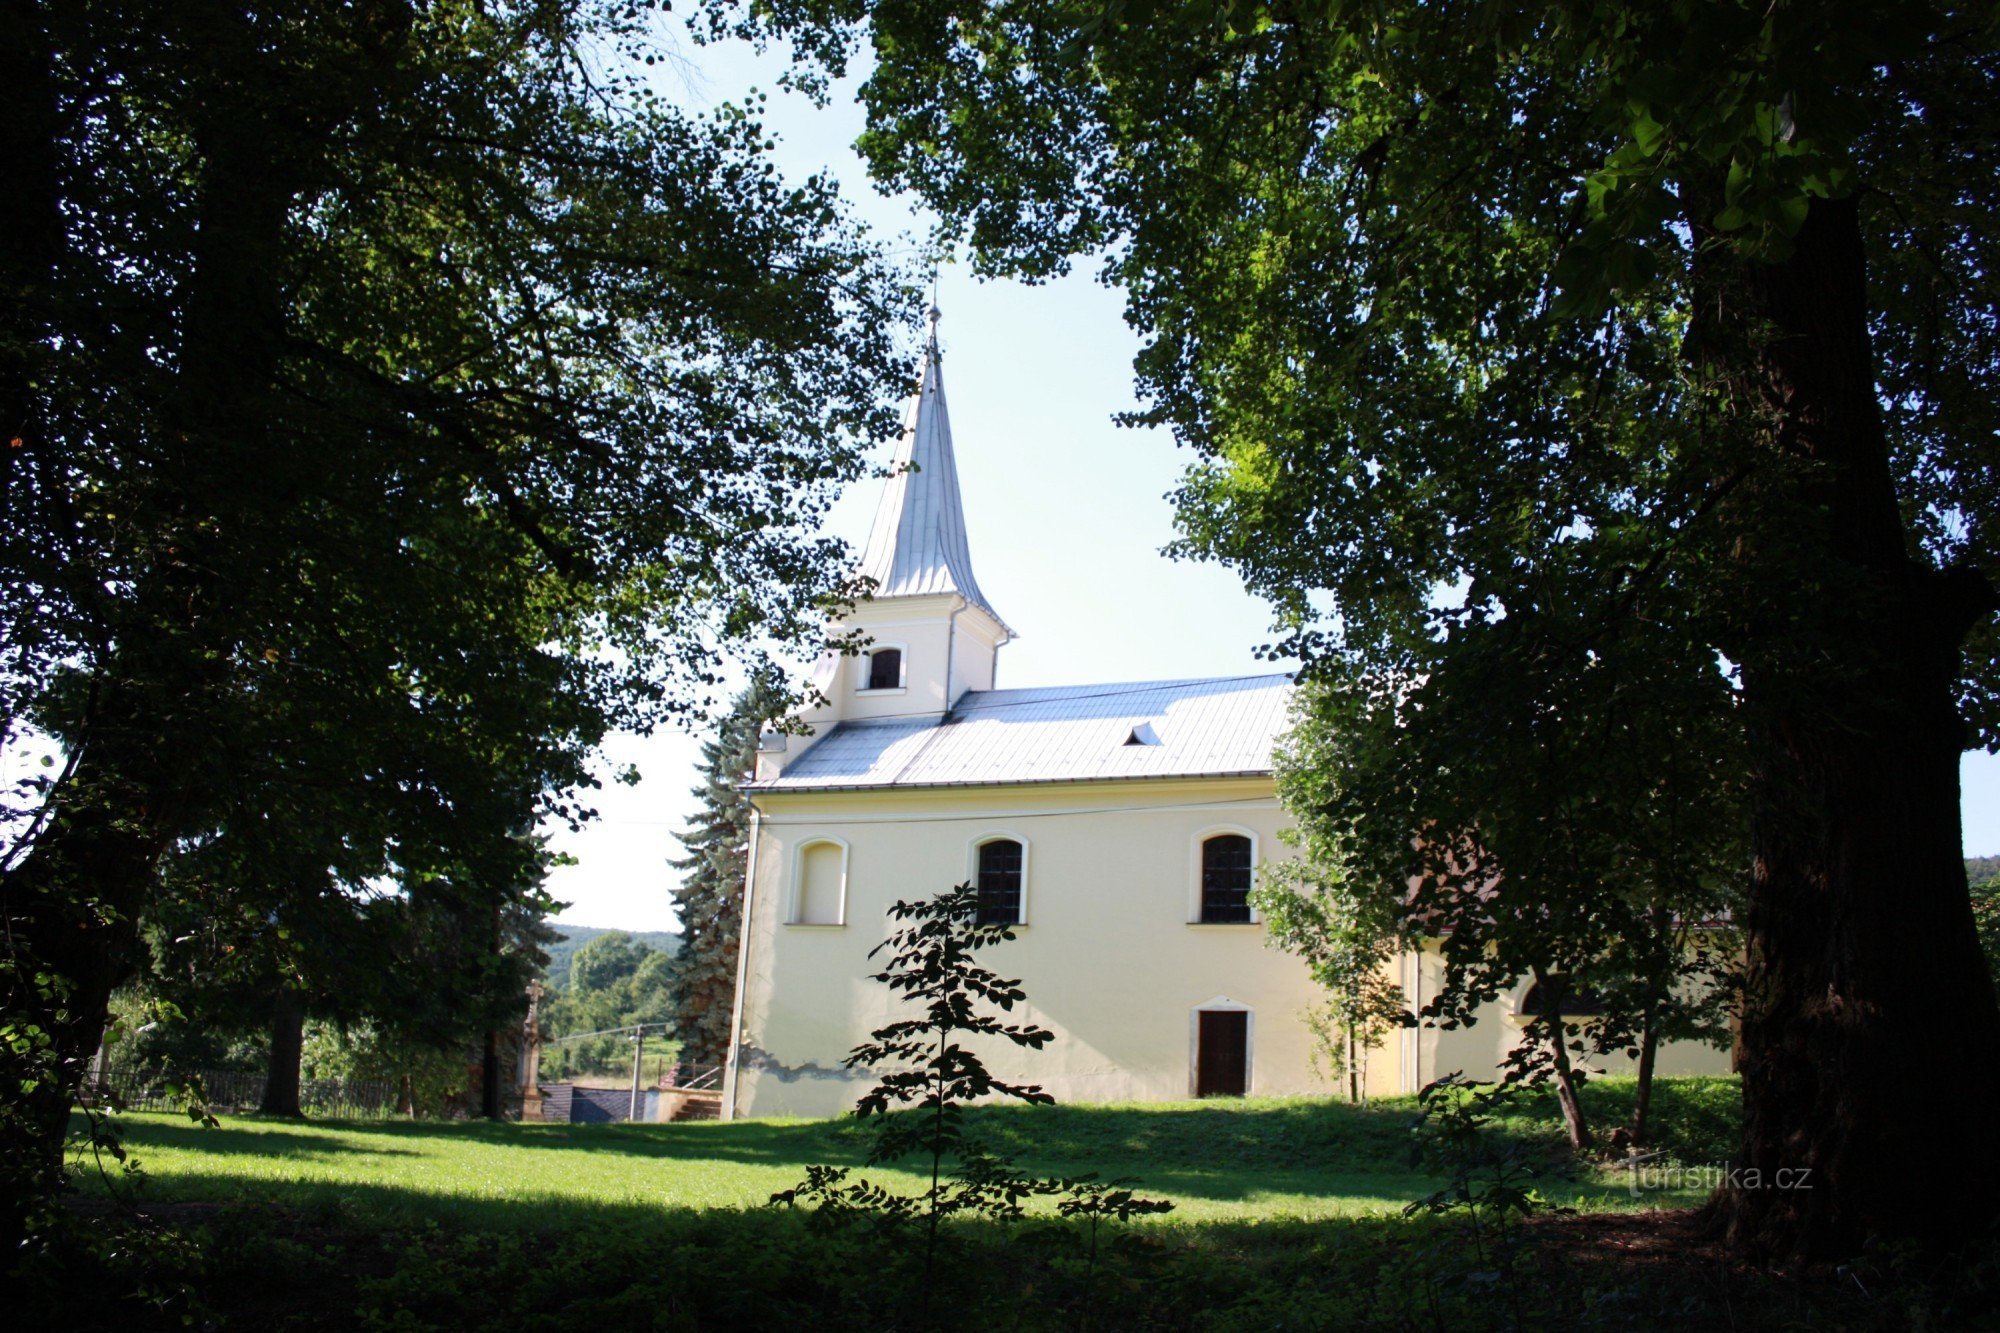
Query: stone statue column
point(531, 1055)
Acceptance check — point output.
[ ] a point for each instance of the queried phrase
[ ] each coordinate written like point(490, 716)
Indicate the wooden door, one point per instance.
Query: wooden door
point(1222, 1053)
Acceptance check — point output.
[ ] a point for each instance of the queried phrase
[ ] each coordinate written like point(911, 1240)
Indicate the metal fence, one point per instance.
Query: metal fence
point(229, 1090)
point(693, 1077)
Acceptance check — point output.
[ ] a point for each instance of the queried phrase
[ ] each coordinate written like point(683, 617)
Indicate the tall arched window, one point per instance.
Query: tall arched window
point(821, 892)
point(885, 669)
point(1225, 879)
point(1000, 865)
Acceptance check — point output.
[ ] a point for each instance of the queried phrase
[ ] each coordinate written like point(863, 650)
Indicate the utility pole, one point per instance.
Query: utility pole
point(638, 1053)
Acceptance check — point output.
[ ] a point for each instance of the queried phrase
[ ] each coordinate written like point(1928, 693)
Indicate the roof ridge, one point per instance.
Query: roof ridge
point(1105, 689)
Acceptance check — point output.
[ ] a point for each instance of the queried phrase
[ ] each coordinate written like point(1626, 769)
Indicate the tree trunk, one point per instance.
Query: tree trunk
point(1574, 1124)
point(490, 1103)
point(281, 1078)
point(1865, 986)
point(1642, 1098)
point(148, 744)
point(71, 913)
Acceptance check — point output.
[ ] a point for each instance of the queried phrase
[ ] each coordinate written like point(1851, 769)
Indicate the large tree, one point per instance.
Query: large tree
point(1688, 308)
point(709, 900)
point(396, 396)
point(1536, 813)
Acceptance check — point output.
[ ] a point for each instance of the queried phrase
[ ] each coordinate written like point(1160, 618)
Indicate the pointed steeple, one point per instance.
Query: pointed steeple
point(917, 546)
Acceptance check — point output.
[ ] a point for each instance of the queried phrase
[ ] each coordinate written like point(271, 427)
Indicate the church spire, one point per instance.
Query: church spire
point(917, 545)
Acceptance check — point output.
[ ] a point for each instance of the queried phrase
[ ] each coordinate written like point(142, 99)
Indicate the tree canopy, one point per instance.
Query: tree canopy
point(398, 397)
point(1570, 322)
point(709, 899)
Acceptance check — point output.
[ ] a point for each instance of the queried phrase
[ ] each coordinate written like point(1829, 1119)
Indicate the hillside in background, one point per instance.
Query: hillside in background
point(1981, 870)
point(571, 938)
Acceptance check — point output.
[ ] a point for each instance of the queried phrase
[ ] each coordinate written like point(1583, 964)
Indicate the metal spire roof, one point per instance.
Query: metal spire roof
point(917, 545)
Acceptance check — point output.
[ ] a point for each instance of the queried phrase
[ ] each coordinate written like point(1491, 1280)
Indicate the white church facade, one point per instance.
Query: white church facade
point(1119, 827)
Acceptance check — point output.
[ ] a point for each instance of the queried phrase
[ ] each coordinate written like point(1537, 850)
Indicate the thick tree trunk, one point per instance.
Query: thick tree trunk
point(491, 1105)
point(149, 742)
point(71, 913)
point(1865, 988)
point(281, 1077)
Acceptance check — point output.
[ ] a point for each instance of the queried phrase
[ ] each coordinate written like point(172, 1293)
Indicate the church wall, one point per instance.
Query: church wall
point(1108, 957)
point(1478, 1049)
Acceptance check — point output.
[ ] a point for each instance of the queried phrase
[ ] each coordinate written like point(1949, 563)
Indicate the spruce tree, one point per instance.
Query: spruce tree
point(710, 897)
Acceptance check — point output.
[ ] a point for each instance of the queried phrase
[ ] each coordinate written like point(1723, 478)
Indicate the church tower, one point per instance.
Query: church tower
point(931, 633)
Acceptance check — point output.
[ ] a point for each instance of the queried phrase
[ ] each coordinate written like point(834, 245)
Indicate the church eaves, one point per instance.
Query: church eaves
point(917, 546)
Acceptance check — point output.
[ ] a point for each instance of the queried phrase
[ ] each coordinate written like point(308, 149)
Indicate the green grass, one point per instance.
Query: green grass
point(1218, 1161)
point(1288, 1215)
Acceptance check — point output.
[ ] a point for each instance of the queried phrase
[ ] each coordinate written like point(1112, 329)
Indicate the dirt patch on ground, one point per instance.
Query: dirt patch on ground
point(1664, 1262)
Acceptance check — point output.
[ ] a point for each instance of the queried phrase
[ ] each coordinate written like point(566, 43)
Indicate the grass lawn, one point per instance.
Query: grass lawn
point(1288, 1214)
point(1218, 1161)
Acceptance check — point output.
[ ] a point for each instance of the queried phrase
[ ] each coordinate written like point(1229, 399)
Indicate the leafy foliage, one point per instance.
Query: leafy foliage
point(1490, 1185)
point(931, 1080)
point(398, 398)
point(617, 982)
point(1348, 952)
point(1610, 382)
point(568, 939)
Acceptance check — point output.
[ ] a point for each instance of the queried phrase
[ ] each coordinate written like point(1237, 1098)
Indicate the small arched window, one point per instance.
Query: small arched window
point(822, 886)
point(885, 668)
point(1225, 879)
point(1000, 865)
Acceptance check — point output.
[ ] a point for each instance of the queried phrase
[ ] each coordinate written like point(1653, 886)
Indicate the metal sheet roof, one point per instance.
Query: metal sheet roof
point(917, 545)
point(1184, 728)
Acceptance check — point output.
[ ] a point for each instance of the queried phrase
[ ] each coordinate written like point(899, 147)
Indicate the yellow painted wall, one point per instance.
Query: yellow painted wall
point(1478, 1049)
point(1108, 956)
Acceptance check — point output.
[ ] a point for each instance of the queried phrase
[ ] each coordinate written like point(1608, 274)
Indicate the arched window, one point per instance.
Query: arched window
point(1225, 879)
point(820, 896)
point(885, 669)
point(1000, 865)
point(1577, 1001)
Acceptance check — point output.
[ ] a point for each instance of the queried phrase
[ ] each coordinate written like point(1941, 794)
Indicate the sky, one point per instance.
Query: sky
point(1066, 512)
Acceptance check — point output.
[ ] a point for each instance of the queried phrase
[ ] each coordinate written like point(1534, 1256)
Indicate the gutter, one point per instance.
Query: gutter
point(772, 788)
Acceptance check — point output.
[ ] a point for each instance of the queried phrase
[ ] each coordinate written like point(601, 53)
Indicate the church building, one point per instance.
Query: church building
point(1118, 827)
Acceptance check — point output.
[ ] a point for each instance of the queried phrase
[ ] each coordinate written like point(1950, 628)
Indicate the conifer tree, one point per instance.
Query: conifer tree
point(709, 900)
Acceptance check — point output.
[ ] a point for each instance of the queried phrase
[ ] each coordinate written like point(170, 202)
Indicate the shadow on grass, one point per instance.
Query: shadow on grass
point(384, 1255)
point(1267, 1156)
point(252, 1138)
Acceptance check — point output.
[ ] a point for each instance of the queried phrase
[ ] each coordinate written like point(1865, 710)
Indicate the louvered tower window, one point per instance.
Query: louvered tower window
point(885, 668)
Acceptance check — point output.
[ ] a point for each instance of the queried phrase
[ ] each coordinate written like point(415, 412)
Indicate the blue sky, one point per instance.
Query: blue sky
point(1066, 512)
